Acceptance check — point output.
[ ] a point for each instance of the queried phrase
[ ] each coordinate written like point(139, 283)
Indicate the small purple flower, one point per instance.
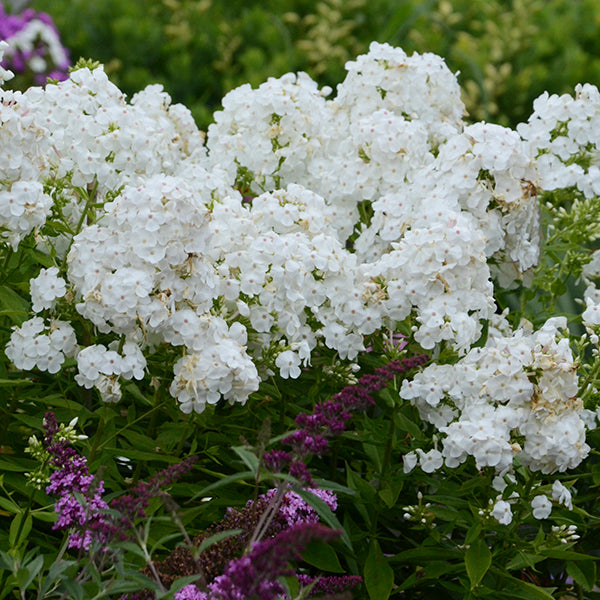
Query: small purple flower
point(190, 592)
point(294, 509)
point(276, 460)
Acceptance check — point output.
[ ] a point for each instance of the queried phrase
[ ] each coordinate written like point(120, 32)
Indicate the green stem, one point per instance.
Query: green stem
point(591, 376)
point(149, 433)
point(98, 435)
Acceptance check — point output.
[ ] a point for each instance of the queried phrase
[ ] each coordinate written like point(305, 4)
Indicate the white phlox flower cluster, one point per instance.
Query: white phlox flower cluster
point(42, 345)
point(46, 288)
point(302, 223)
point(541, 504)
point(218, 367)
point(591, 296)
point(84, 130)
point(389, 113)
point(447, 200)
point(148, 252)
point(293, 278)
point(515, 396)
point(101, 367)
point(563, 131)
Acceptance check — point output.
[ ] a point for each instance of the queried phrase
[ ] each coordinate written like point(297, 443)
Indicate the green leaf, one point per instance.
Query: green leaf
point(248, 456)
point(512, 588)
point(75, 589)
point(14, 306)
point(32, 569)
point(134, 390)
point(44, 515)
point(217, 537)
point(583, 572)
point(19, 529)
point(523, 560)
point(596, 474)
point(324, 513)
point(473, 533)
point(478, 559)
point(379, 576)
point(55, 572)
point(291, 585)
point(322, 556)
point(356, 482)
point(389, 496)
point(405, 424)
point(433, 570)
point(9, 505)
point(426, 553)
point(222, 482)
point(131, 547)
point(326, 484)
point(14, 382)
point(566, 554)
point(14, 529)
point(6, 561)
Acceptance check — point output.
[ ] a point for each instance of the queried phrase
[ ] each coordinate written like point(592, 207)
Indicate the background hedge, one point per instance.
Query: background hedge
point(507, 51)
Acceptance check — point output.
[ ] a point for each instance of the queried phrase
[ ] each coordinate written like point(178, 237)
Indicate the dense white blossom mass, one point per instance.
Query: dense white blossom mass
point(302, 222)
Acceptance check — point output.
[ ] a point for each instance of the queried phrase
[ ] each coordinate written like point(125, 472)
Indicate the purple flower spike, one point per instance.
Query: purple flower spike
point(133, 506)
point(255, 575)
point(80, 502)
point(329, 585)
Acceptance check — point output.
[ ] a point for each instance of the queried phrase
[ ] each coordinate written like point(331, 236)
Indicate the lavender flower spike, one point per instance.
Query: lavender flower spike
point(80, 502)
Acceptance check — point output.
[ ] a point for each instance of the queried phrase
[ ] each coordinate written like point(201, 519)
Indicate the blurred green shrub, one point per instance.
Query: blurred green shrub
point(508, 51)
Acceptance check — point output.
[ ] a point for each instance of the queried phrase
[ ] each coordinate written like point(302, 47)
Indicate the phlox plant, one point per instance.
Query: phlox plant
point(316, 351)
point(35, 51)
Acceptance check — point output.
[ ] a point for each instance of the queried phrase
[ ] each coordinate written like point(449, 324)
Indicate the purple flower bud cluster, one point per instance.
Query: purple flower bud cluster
point(331, 585)
point(255, 575)
point(132, 506)
point(293, 509)
point(329, 418)
point(34, 45)
point(80, 504)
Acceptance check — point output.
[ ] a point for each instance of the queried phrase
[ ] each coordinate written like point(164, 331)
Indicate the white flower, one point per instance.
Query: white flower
point(46, 288)
point(502, 512)
point(288, 364)
point(542, 507)
point(5, 75)
point(561, 494)
point(410, 460)
point(36, 344)
point(430, 461)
